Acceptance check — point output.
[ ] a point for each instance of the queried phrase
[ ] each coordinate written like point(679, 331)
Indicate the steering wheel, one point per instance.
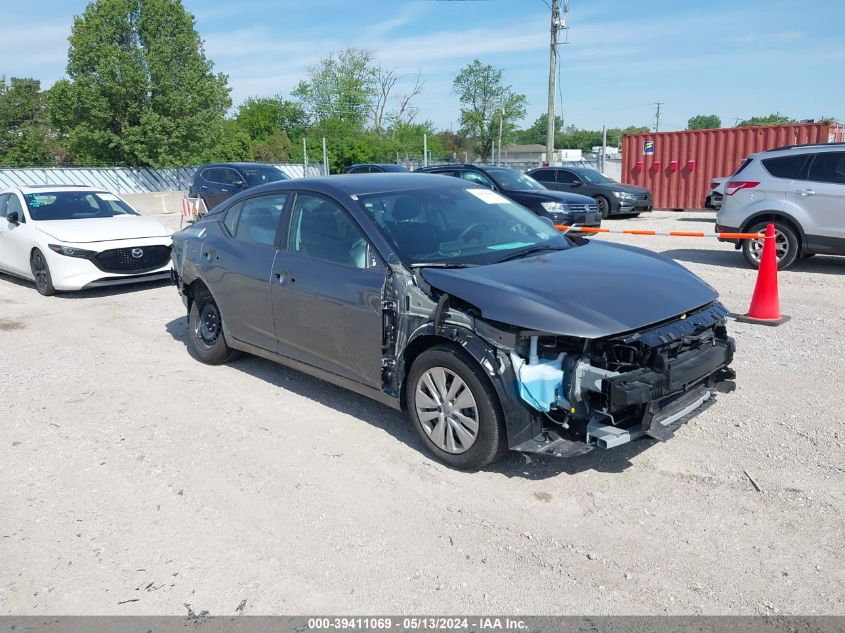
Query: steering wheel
point(471, 228)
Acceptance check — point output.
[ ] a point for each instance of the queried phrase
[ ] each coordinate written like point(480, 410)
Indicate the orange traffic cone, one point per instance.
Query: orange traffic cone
point(765, 303)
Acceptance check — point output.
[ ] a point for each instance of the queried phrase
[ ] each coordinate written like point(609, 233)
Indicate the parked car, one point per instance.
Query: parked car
point(713, 200)
point(612, 198)
point(458, 306)
point(217, 182)
point(801, 190)
point(374, 168)
point(74, 238)
point(561, 208)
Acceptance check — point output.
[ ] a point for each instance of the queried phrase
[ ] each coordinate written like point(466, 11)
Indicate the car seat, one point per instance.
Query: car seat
point(410, 229)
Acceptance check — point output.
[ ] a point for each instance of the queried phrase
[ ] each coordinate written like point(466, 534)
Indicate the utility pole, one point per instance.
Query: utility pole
point(304, 159)
point(603, 146)
point(425, 149)
point(657, 116)
point(501, 120)
point(556, 26)
point(325, 159)
point(550, 129)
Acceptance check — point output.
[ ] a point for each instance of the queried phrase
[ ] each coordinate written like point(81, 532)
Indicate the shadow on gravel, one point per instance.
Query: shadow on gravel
point(828, 265)
point(711, 220)
point(532, 467)
point(107, 291)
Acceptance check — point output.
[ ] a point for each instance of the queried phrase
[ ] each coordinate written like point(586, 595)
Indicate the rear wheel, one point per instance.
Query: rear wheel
point(206, 340)
point(786, 245)
point(41, 273)
point(454, 408)
point(604, 206)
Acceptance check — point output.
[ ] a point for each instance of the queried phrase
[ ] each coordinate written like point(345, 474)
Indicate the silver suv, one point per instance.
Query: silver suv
point(800, 189)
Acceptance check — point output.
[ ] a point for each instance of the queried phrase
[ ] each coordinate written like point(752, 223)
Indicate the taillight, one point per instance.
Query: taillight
point(713, 185)
point(735, 185)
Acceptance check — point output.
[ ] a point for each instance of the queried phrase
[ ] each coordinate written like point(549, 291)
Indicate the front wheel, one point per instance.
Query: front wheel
point(41, 273)
point(205, 332)
point(604, 206)
point(786, 245)
point(454, 408)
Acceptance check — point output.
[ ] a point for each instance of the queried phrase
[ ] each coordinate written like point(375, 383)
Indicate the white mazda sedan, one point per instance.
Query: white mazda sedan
point(73, 238)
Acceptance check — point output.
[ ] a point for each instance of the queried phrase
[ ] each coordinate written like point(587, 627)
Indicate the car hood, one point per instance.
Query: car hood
point(552, 196)
point(588, 291)
point(618, 186)
point(121, 227)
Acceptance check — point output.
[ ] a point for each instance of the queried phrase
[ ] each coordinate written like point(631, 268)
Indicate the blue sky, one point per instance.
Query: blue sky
point(731, 58)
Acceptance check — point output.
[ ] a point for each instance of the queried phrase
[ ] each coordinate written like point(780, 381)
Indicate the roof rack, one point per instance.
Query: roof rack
point(777, 149)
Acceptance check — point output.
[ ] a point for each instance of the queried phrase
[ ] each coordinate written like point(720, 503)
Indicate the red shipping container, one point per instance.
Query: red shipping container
point(678, 166)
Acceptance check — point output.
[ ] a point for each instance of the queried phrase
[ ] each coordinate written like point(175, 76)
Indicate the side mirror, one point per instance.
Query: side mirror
point(13, 217)
point(547, 219)
point(239, 183)
point(577, 183)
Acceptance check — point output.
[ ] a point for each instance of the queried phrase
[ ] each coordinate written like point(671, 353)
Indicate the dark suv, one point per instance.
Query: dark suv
point(613, 198)
point(217, 182)
point(374, 168)
point(561, 208)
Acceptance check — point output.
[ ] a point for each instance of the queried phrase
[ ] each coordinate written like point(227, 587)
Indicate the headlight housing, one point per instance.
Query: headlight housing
point(71, 251)
point(555, 207)
point(624, 195)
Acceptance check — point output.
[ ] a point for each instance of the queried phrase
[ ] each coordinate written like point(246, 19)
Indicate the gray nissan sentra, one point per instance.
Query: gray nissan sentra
point(491, 330)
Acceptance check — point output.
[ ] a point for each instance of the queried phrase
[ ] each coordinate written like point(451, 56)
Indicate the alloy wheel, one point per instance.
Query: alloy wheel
point(447, 410)
point(39, 270)
point(781, 247)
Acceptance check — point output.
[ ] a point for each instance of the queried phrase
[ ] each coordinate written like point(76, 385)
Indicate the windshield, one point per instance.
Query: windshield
point(513, 180)
point(594, 177)
point(75, 205)
point(259, 175)
point(453, 225)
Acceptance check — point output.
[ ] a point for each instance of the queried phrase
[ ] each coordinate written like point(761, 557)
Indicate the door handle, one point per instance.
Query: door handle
point(285, 277)
point(807, 192)
point(203, 187)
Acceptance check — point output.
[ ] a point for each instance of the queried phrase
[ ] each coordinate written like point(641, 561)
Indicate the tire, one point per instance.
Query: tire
point(604, 206)
point(206, 340)
point(41, 273)
point(459, 445)
point(786, 242)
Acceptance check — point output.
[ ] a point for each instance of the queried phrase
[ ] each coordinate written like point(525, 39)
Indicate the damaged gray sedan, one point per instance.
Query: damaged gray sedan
point(488, 328)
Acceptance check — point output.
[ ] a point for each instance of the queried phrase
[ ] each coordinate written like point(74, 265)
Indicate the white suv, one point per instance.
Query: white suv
point(800, 189)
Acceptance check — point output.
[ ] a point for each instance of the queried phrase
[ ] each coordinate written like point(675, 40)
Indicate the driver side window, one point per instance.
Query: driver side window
point(567, 177)
point(479, 179)
point(322, 230)
point(14, 204)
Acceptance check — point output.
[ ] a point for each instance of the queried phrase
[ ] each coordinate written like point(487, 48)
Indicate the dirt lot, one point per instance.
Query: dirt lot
point(137, 481)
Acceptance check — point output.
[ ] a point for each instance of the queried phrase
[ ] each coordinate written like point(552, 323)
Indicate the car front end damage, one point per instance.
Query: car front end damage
point(566, 395)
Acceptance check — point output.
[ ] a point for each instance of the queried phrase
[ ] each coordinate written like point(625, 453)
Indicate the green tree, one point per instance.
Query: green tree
point(770, 119)
point(485, 102)
point(264, 117)
point(140, 89)
point(26, 137)
point(536, 133)
point(340, 88)
point(704, 122)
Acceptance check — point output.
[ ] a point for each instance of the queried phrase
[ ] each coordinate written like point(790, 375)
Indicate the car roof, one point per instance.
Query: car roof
point(361, 184)
point(237, 164)
point(47, 188)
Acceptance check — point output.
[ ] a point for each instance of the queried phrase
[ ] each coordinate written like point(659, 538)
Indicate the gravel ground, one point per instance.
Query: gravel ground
point(138, 481)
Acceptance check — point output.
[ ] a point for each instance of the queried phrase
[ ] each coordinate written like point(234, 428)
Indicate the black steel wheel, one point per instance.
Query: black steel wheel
point(206, 339)
point(41, 273)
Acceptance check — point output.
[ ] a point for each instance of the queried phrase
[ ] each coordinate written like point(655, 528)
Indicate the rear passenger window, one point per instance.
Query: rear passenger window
point(786, 166)
point(232, 215)
point(212, 175)
point(3, 199)
point(828, 167)
point(259, 219)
